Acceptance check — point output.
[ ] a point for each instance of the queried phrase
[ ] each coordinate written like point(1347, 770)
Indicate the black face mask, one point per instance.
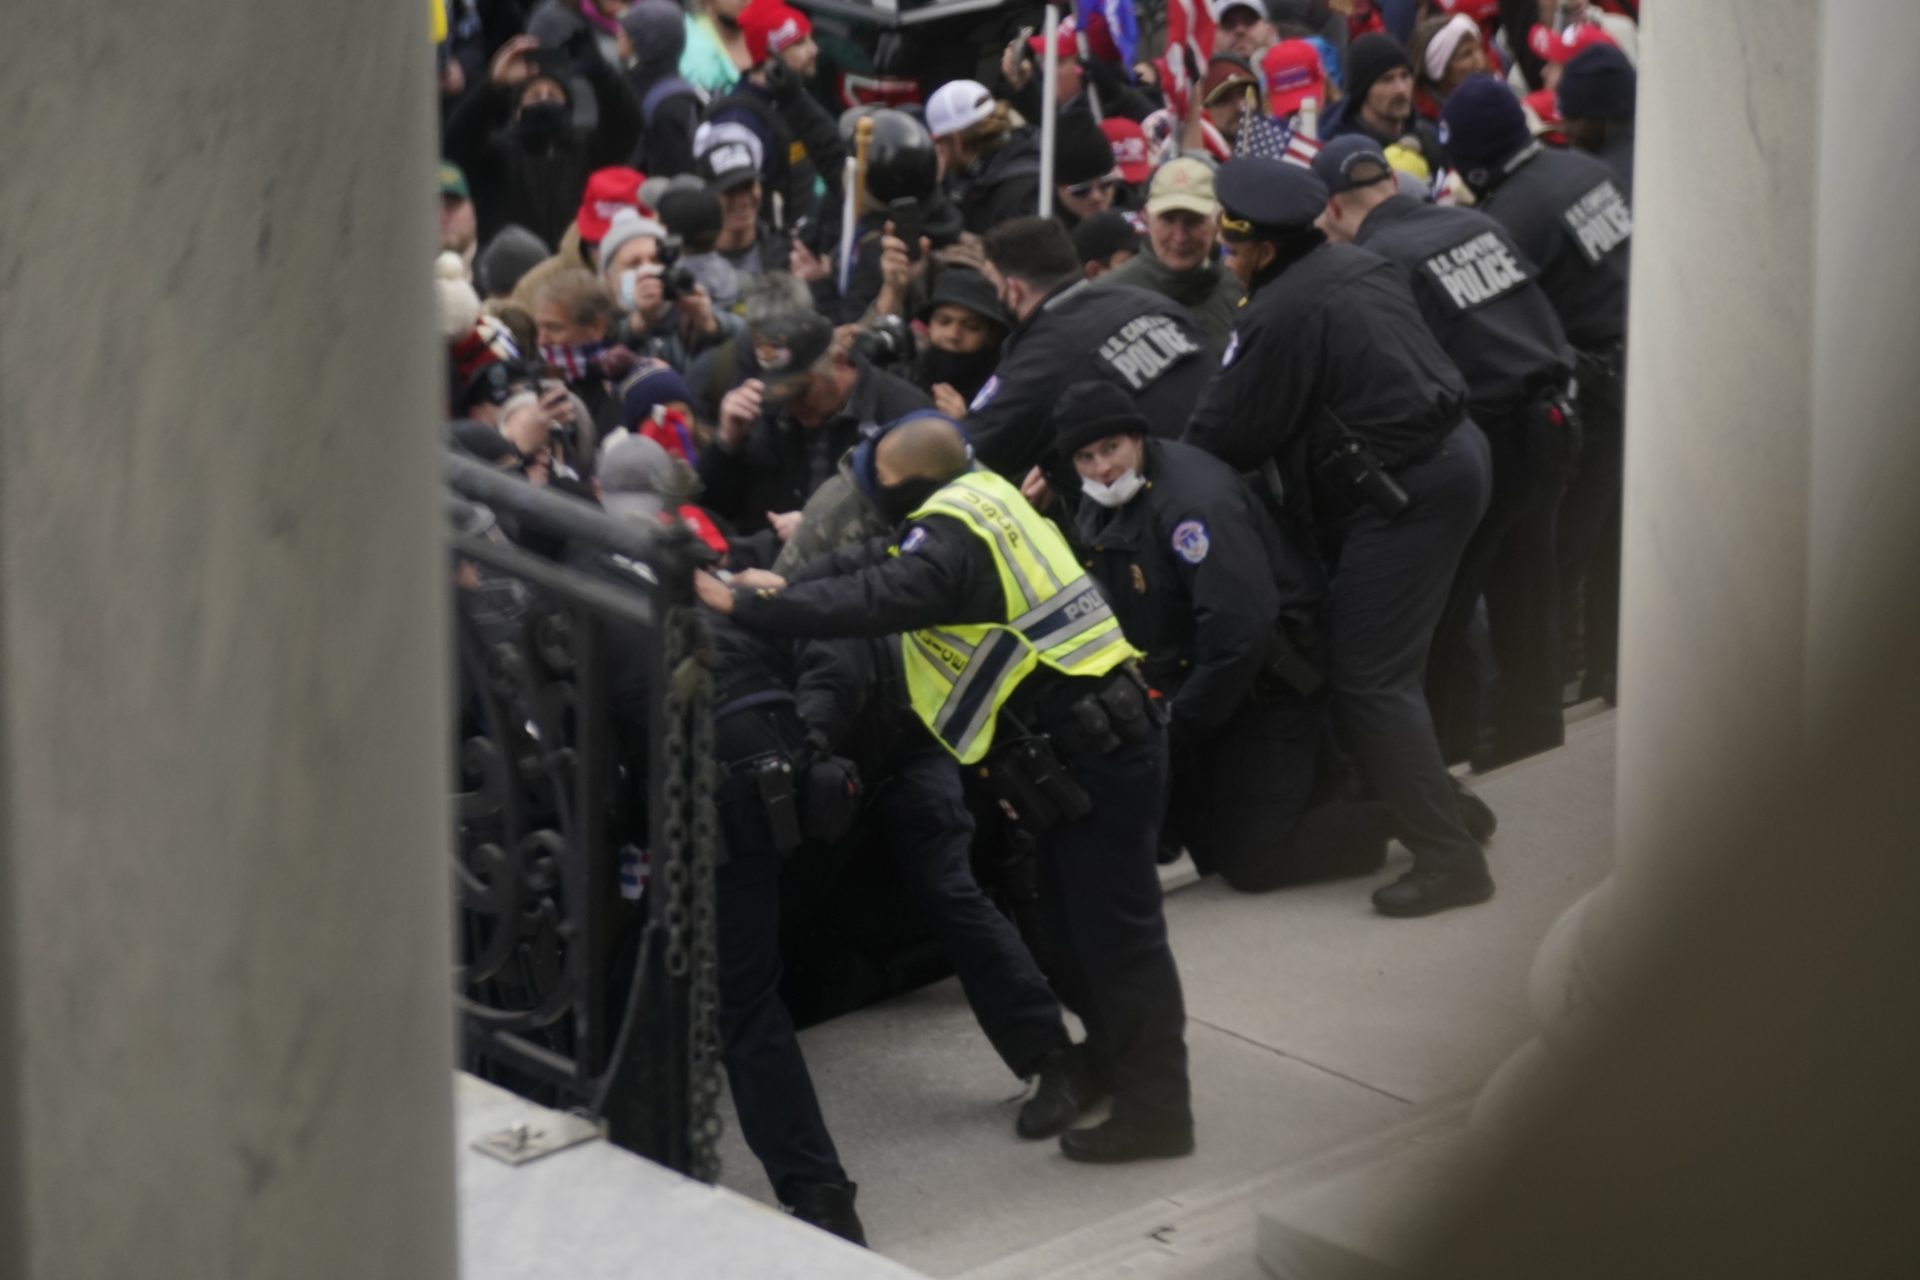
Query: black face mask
point(898, 501)
point(966, 372)
point(540, 125)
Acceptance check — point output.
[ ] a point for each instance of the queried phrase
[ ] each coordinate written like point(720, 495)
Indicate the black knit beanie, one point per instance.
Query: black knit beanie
point(1092, 411)
point(1369, 58)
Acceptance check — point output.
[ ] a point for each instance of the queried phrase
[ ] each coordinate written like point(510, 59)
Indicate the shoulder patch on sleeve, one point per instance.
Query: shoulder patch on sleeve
point(986, 393)
point(916, 537)
point(1190, 541)
point(1233, 349)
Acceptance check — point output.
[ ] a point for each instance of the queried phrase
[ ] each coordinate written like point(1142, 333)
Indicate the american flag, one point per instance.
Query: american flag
point(1262, 135)
point(1189, 44)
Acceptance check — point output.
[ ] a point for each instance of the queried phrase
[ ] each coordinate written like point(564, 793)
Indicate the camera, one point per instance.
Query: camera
point(677, 283)
point(887, 342)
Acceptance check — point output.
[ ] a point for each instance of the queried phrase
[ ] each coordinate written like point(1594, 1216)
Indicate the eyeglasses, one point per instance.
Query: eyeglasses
point(1081, 190)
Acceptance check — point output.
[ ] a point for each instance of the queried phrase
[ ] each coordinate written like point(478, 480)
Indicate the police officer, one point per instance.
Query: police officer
point(1596, 96)
point(919, 804)
point(1067, 331)
point(1332, 376)
point(776, 702)
point(1568, 215)
point(1014, 659)
point(1481, 297)
point(1228, 614)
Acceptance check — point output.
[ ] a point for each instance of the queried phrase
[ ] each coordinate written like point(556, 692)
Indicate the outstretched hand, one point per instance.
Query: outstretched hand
point(713, 593)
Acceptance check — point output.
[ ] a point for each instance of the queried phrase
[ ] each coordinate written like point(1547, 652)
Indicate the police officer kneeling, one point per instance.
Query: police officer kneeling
point(1227, 611)
point(1332, 377)
point(1014, 658)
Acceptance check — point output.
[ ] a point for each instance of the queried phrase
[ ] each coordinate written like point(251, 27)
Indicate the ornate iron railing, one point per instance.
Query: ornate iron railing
point(585, 830)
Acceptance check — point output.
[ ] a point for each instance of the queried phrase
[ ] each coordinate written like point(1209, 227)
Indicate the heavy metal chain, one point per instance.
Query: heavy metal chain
point(691, 784)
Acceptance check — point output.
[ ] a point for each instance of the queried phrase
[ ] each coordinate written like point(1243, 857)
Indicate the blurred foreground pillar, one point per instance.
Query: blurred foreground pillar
point(224, 956)
point(1737, 1040)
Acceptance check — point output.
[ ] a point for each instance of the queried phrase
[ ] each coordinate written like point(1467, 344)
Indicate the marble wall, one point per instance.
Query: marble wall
point(222, 671)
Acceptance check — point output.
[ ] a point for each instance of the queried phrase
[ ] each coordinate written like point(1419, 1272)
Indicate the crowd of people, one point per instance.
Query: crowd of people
point(1204, 460)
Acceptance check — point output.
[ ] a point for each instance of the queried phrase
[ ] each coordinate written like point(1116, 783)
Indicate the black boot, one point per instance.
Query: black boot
point(1475, 816)
point(1421, 892)
point(1068, 1086)
point(826, 1205)
point(1125, 1138)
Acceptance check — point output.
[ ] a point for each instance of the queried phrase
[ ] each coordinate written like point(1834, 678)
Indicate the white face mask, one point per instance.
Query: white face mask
point(1117, 494)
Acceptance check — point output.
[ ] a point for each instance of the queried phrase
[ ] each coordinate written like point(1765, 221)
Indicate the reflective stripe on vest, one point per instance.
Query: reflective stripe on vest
point(959, 677)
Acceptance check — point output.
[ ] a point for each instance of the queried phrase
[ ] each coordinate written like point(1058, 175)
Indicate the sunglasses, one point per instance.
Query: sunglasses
point(1081, 190)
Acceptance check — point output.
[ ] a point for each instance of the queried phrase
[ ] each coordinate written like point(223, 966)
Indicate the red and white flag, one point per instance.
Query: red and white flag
point(1189, 44)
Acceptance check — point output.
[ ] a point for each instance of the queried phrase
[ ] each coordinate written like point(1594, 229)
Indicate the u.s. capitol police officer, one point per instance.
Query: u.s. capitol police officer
point(1332, 376)
point(1481, 297)
point(1568, 214)
point(1014, 660)
point(1067, 331)
point(1228, 612)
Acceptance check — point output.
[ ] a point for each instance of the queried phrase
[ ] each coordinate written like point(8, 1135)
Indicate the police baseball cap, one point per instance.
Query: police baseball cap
point(1262, 198)
point(1349, 161)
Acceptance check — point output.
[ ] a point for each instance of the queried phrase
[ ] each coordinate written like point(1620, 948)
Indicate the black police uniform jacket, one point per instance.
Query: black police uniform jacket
point(1199, 577)
point(1568, 214)
point(1143, 343)
point(1480, 296)
point(780, 463)
point(1337, 327)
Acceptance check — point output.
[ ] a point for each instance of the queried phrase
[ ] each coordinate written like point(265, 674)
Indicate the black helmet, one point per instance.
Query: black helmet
point(900, 160)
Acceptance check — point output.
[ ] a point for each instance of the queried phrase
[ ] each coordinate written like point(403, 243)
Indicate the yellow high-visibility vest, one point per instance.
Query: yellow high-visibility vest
point(959, 677)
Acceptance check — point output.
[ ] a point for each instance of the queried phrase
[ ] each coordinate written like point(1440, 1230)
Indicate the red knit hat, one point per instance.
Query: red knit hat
point(770, 26)
point(608, 191)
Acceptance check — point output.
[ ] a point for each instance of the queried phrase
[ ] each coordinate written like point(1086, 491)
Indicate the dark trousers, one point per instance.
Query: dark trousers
point(1589, 544)
point(1100, 892)
point(772, 1092)
point(1386, 597)
point(930, 830)
point(1510, 560)
point(1241, 800)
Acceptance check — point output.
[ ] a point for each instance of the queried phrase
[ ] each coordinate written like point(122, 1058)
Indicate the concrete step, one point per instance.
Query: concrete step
point(1313, 1024)
point(1209, 1233)
point(1365, 1223)
point(591, 1211)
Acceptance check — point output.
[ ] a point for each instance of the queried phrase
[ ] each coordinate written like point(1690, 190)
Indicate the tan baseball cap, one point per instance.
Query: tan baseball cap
point(1183, 183)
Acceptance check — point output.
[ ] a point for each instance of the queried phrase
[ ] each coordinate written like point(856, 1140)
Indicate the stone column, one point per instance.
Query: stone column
point(1770, 450)
point(1720, 432)
point(222, 665)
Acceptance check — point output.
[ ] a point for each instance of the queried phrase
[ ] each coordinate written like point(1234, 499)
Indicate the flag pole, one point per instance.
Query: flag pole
point(1086, 76)
point(1049, 108)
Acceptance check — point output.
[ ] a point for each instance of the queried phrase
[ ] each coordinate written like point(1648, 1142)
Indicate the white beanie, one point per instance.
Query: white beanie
point(459, 304)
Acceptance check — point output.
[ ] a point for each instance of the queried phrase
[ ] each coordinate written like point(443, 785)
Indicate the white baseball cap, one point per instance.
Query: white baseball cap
point(957, 104)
